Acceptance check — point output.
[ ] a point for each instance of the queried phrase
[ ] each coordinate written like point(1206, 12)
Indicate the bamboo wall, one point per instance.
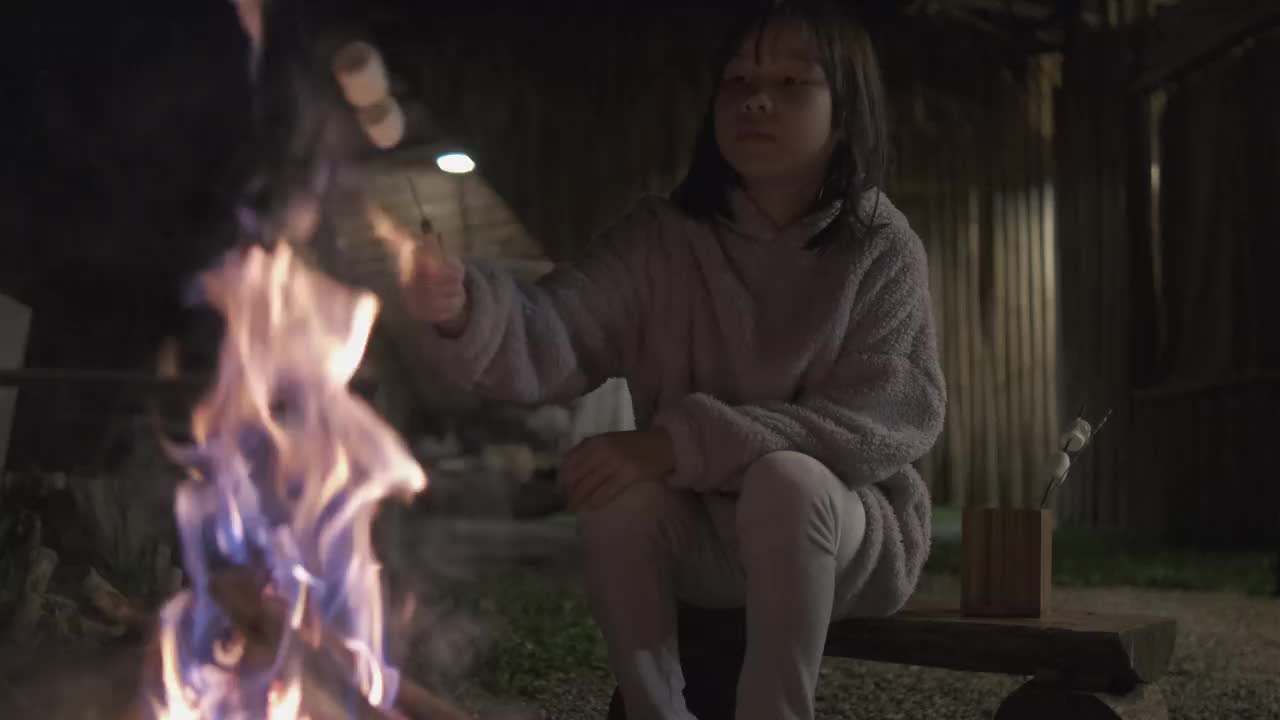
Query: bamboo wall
point(1205, 417)
point(1206, 474)
point(975, 175)
point(1095, 250)
point(1166, 228)
point(1218, 139)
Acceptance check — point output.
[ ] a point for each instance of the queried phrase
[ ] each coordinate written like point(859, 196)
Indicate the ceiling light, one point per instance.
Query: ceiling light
point(456, 162)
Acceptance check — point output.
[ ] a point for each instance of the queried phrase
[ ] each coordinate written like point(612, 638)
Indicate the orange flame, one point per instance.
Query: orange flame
point(287, 470)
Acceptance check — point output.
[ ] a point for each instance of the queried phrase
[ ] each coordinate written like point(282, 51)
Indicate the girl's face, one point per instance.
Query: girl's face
point(773, 108)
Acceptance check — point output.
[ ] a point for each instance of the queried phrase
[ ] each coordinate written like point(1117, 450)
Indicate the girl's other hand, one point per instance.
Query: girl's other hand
point(601, 468)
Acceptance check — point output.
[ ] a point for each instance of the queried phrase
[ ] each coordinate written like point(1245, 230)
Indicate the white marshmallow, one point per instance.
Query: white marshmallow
point(383, 122)
point(1059, 464)
point(1081, 426)
point(361, 74)
point(1072, 440)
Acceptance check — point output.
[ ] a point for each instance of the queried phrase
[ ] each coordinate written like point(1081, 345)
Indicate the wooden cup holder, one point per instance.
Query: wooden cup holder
point(1006, 562)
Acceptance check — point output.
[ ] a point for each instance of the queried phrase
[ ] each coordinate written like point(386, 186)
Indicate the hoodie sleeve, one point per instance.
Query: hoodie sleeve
point(555, 339)
point(880, 409)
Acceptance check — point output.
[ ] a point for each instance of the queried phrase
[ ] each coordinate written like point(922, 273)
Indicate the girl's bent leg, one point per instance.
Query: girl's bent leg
point(797, 527)
point(633, 550)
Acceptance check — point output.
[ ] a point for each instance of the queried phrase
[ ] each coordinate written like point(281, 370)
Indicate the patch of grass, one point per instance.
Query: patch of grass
point(1091, 559)
point(946, 516)
point(562, 519)
point(542, 634)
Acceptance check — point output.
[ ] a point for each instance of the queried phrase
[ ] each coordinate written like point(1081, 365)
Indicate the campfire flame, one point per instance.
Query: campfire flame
point(287, 469)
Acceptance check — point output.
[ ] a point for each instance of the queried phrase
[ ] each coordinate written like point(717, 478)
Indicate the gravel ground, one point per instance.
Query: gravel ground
point(1226, 666)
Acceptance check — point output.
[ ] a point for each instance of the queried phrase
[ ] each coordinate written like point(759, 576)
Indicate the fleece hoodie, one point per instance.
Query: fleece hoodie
point(739, 342)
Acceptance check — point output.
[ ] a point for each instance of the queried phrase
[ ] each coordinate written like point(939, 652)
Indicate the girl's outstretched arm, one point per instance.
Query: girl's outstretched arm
point(559, 337)
point(879, 409)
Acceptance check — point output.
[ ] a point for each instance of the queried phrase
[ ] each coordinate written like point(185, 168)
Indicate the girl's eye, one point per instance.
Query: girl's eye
point(790, 80)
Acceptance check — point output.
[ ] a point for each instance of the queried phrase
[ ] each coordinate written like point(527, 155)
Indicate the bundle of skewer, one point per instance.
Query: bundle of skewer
point(1073, 441)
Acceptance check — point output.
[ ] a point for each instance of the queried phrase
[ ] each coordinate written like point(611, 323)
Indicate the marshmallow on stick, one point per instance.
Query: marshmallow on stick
point(1072, 440)
point(363, 78)
point(383, 122)
point(1059, 465)
point(361, 74)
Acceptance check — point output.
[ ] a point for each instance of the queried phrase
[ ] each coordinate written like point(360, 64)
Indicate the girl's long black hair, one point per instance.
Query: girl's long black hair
point(859, 159)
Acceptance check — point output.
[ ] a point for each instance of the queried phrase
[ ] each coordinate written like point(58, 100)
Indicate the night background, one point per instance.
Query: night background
point(1095, 182)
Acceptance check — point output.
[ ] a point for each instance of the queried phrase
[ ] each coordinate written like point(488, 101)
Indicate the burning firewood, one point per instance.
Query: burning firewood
point(65, 616)
point(109, 602)
point(97, 612)
point(31, 604)
point(301, 497)
point(262, 619)
point(324, 694)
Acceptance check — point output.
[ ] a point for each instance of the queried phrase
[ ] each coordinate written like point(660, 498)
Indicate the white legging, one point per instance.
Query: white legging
point(782, 548)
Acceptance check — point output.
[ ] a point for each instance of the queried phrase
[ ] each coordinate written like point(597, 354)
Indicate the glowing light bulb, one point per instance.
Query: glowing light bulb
point(456, 163)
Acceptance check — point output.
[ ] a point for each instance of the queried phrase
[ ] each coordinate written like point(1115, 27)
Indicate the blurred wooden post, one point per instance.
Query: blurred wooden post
point(15, 324)
point(1006, 564)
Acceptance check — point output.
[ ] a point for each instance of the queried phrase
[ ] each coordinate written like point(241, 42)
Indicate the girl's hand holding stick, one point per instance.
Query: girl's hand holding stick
point(430, 280)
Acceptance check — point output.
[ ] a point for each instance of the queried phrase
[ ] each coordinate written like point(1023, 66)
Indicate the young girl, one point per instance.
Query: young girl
point(773, 322)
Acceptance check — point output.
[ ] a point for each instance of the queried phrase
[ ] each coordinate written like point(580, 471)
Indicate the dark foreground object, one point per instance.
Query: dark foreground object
point(1084, 666)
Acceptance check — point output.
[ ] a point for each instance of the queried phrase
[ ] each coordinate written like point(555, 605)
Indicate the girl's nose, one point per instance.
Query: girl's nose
point(757, 102)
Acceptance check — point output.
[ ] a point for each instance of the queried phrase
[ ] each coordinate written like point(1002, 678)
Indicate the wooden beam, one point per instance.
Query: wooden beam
point(1022, 9)
point(141, 382)
point(1196, 32)
point(66, 376)
point(1096, 652)
point(1039, 700)
point(1145, 344)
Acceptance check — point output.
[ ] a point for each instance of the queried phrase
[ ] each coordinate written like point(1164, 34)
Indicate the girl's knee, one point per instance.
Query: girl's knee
point(787, 478)
point(789, 496)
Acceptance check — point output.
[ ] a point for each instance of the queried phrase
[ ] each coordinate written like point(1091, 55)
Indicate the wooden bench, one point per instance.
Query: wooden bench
point(1081, 665)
